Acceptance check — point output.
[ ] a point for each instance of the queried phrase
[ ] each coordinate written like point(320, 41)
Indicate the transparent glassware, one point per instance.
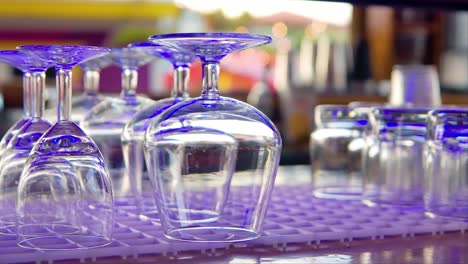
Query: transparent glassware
point(134, 131)
point(212, 159)
point(336, 147)
point(105, 122)
point(21, 138)
point(394, 174)
point(65, 196)
point(415, 85)
point(446, 165)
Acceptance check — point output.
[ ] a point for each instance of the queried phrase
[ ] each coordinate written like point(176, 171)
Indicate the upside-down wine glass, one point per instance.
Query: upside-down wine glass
point(134, 131)
point(64, 195)
point(105, 122)
point(21, 138)
point(213, 159)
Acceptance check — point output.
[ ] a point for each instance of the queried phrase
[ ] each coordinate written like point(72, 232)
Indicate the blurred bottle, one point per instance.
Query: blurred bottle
point(306, 65)
point(331, 66)
point(361, 74)
point(296, 101)
point(261, 95)
point(454, 59)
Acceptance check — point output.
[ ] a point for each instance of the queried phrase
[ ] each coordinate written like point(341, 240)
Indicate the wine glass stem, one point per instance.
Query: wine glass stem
point(210, 80)
point(27, 81)
point(129, 82)
point(91, 82)
point(64, 78)
point(37, 92)
point(181, 79)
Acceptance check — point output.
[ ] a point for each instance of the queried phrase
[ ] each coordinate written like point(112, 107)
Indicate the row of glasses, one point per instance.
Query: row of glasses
point(211, 160)
point(343, 134)
point(63, 193)
point(409, 157)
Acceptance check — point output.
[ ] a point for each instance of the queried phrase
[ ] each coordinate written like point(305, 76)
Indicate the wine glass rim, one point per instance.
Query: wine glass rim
point(12, 52)
point(212, 35)
point(144, 44)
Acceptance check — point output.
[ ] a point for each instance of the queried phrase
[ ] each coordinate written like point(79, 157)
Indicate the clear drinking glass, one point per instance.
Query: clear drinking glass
point(64, 194)
point(134, 131)
point(105, 122)
point(23, 135)
point(415, 85)
point(395, 157)
point(336, 148)
point(446, 164)
point(213, 159)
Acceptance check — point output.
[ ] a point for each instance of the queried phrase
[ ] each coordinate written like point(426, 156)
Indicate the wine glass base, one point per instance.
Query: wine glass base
point(449, 213)
point(402, 205)
point(339, 193)
point(8, 230)
point(62, 242)
point(215, 234)
point(150, 214)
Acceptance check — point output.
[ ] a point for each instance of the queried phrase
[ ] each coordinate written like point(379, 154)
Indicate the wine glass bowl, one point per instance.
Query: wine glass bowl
point(181, 153)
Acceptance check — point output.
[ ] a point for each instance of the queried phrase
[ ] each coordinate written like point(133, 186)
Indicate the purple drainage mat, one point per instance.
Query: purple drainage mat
point(294, 216)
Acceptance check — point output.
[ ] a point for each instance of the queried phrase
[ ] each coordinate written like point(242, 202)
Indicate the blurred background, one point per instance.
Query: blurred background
point(322, 52)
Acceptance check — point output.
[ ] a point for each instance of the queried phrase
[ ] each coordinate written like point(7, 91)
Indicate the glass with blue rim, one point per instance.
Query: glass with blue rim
point(213, 159)
point(446, 165)
point(395, 158)
point(20, 139)
point(134, 131)
point(65, 196)
point(105, 122)
point(336, 147)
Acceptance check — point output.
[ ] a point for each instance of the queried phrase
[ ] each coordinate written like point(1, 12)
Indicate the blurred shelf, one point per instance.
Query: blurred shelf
point(88, 10)
point(447, 98)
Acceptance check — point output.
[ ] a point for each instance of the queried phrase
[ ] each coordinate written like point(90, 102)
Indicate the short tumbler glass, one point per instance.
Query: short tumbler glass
point(446, 165)
point(336, 148)
point(394, 175)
